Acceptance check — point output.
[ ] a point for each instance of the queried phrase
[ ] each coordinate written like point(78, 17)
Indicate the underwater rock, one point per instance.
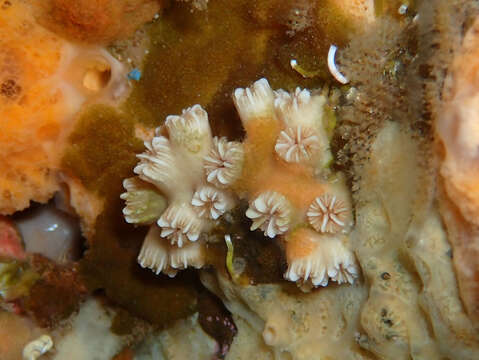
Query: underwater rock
point(90, 336)
point(172, 343)
point(292, 324)
point(48, 231)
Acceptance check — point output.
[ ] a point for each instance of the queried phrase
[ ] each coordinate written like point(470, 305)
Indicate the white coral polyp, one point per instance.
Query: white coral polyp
point(190, 130)
point(254, 102)
point(157, 164)
point(189, 255)
point(328, 214)
point(180, 224)
point(161, 257)
point(297, 144)
point(286, 102)
point(154, 253)
point(329, 261)
point(224, 162)
point(144, 205)
point(270, 212)
point(211, 203)
point(299, 108)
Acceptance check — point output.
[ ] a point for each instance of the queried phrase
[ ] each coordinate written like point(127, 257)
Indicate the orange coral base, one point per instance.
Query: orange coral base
point(264, 170)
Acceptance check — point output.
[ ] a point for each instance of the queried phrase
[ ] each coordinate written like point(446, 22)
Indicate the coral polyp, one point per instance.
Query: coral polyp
point(296, 144)
point(211, 203)
point(270, 212)
point(223, 164)
point(328, 214)
point(319, 259)
point(161, 257)
point(280, 168)
point(144, 204)
point(179, 224)
point(254, 102)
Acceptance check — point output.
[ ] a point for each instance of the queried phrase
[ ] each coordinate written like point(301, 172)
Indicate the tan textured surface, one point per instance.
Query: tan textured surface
point(458, 130)
point(407, 305)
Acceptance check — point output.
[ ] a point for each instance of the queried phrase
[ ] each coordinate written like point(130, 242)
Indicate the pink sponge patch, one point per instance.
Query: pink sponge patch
point(10, 241)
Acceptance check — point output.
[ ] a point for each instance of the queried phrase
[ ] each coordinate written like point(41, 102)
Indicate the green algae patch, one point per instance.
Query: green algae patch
point(16, 279)
point(101, 154)
point(191, 56)
point(102, 149)
point(110, 265)
point(201, 57)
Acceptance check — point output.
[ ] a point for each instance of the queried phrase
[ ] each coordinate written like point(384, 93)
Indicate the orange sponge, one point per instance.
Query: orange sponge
point(96, 21)
point(29, 109)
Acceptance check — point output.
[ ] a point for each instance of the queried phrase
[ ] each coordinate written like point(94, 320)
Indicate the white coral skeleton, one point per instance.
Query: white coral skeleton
point(36, 348)
point(201, 179)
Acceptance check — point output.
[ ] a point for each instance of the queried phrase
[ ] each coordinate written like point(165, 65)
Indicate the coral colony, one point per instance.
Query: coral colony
point(187, 180)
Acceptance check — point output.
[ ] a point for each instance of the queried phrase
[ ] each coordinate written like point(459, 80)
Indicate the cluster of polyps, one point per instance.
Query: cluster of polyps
point(187, 166)
point(280, 167)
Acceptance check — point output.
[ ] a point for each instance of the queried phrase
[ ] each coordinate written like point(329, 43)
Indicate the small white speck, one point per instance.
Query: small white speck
point(52, 227)
point(402, 9)
point(156, 17)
